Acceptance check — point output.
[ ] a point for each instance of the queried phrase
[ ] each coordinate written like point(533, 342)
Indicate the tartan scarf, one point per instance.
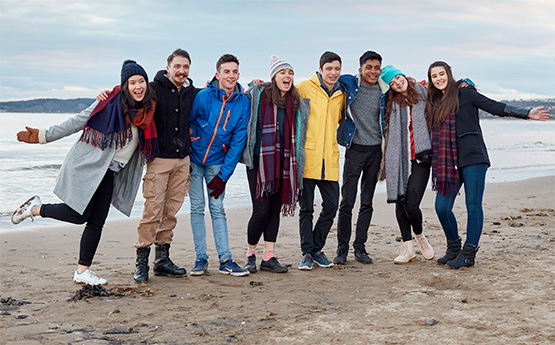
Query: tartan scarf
point(269, 167)
point(107, 126)
point(445, 177)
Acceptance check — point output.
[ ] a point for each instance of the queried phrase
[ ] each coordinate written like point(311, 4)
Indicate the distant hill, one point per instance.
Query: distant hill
point(54, 105)
point(47, 105)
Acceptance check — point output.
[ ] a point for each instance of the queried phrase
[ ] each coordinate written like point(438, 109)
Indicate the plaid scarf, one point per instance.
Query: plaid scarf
point(107, 126)
point(269, 167)
point(445, 177)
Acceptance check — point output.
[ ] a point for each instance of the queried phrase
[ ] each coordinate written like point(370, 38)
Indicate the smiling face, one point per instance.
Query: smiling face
point(399, 84)
point(284, 80)
point(178, 70)
point(330, 72)
point(136, 84)
point(370, 71)
point(228, 75)
point(439, 78)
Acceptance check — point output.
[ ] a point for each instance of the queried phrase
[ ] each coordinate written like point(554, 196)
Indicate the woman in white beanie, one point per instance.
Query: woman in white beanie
point(274, 156)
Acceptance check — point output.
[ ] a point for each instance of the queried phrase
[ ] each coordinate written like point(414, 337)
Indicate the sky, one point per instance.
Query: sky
point(72, 49)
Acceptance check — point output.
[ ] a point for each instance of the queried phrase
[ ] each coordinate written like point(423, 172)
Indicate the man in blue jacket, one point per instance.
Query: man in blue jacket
point(360, 131)
point(219, 120)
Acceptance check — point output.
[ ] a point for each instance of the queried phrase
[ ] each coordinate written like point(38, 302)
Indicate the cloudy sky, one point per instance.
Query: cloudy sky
point(69, 49)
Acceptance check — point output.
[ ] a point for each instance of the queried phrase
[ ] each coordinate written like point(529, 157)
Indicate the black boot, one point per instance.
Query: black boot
point(465, 257)
point(141, 265)
point(163, 266)
point(453, 249)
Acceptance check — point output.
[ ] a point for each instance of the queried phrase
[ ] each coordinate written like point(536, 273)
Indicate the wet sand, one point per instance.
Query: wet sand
point(507, 298)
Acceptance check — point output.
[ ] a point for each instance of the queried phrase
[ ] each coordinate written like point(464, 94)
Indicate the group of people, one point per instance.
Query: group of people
point(394, 129)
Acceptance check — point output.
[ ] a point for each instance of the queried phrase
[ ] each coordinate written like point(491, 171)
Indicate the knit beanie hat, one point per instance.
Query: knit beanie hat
point(131, 68)
point(277, 64)
point(389, 72)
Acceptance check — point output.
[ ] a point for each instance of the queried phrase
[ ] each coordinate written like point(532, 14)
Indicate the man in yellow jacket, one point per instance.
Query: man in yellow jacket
point(327, 102)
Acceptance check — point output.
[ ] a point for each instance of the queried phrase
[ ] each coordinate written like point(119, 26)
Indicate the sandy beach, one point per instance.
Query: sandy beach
point(507, 298)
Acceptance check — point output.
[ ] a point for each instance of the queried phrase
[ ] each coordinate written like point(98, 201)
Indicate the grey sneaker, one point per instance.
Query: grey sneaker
point(25, 210)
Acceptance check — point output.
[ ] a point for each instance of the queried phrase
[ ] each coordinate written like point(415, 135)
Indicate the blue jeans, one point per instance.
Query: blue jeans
point(200, 176)
point(473, 177)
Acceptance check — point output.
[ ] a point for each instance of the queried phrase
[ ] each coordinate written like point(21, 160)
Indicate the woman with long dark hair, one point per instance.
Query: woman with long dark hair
point(407, 159)
point(103, 167)
point(460, 156)
point(274, 156)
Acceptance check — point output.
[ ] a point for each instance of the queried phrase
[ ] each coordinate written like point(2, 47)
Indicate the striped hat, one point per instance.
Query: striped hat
point(277, 64)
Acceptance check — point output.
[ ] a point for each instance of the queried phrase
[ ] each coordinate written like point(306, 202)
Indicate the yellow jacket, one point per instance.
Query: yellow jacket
point(321, 150)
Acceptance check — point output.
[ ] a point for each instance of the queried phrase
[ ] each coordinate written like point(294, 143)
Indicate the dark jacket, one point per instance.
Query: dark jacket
point(471, 148)
point(172, 116)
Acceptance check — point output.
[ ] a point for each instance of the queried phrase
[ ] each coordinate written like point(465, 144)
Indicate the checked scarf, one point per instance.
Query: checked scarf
point(107, 127)
point(445, 178)
point(269, 167)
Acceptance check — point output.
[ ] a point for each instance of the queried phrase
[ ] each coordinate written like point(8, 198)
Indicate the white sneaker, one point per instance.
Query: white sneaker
point(406, 253)
point(25, 210)
point(88, 277)
point(425, 247)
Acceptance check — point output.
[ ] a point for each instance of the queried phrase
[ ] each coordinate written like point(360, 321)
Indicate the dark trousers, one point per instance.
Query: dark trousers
point(265, 212)
point(408, 211)
point(358, 163)
point(314, 239)
point(94, 215)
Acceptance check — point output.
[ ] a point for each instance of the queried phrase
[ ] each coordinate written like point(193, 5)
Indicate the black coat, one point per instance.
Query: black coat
point(172, 116)
point(471, 148)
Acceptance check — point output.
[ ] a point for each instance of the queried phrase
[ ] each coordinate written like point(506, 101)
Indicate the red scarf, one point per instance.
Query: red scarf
point(445, 178)
point(269, 167)
point(108, 126)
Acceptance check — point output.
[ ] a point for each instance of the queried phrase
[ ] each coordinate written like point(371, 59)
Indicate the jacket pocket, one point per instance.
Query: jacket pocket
point(310, 145)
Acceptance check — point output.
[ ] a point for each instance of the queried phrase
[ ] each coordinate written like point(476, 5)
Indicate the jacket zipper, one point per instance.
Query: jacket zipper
point(216, 129)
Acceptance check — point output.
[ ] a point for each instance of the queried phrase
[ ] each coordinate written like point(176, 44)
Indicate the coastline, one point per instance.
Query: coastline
point(506, 298)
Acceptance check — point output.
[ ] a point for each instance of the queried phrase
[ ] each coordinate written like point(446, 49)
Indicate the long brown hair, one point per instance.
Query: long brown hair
point(412, 97)
point(272, 91)
point(441, 103)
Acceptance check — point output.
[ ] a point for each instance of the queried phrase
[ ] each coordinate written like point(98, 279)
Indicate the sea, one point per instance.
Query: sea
point(518, 150)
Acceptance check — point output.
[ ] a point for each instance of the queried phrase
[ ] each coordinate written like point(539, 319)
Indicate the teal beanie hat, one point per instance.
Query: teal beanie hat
point(389, 72)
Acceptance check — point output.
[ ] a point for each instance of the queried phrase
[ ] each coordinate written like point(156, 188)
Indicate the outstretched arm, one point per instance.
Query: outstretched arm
point(538, 114)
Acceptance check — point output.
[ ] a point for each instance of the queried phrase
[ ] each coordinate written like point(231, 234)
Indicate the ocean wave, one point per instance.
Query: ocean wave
point(37, 167)
point(534, 145)
point(524, 167)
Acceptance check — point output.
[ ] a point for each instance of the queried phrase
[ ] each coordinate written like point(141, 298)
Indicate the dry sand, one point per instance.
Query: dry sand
point(507, 298)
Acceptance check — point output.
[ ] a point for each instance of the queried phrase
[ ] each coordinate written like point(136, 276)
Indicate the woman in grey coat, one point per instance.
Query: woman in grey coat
point(103, 167)
point(407, 159)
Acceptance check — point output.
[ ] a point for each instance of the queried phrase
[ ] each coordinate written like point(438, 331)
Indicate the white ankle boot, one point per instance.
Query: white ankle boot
point(406, 253)
point(425, 247)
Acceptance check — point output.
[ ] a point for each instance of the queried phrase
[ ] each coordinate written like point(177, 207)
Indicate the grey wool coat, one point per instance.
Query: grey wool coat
point(85, 166)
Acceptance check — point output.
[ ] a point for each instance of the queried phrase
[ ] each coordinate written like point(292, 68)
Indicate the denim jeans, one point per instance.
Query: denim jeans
point(199, 176)
point(473, 177)
point(408, 212)
point(314, 239)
